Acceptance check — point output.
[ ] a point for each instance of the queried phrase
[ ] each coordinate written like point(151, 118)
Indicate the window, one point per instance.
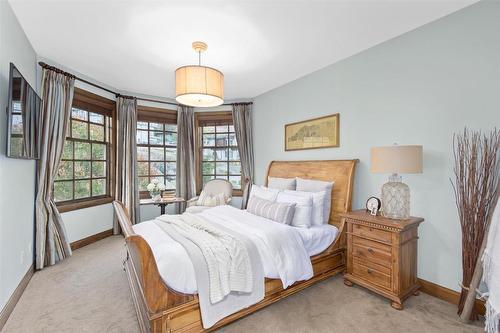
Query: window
point(156, 147)
point(85, 168)
point(219, 156)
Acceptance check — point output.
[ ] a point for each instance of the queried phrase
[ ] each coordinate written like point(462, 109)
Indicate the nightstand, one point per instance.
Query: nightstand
point(382, 255)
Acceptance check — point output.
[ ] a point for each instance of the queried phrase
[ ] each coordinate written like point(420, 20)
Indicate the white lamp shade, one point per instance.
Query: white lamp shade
point(396, 159)
point(199, 86)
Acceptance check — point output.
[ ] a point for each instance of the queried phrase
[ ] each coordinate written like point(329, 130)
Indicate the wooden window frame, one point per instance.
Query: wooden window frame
point(155, 115)
point(203, 119)
point(91, 102)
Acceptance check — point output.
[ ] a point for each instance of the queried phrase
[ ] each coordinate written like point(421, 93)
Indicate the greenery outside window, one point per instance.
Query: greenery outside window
point(156, 147)
point(219, 156)
point(84, 174)
point(84, 168)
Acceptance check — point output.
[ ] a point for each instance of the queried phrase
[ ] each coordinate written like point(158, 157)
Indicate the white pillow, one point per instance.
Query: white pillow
point(303, 209)
point(308, 185)
point(208, 200)
point(318, 199)
point(281, 183)
point(264, 192)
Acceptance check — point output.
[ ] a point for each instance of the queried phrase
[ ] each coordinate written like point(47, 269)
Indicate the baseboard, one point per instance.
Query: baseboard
point(16, 295)
point(91, 239)
point(448, 295)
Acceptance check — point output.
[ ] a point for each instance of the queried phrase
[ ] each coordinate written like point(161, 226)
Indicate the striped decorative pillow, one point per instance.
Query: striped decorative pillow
point(279, 212)
point(208, 200)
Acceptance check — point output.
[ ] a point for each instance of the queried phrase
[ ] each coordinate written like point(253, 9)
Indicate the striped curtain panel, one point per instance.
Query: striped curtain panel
point(51, 241)
point(126, 188)
point(242, 120)
point(30, 122)
point(186, 180)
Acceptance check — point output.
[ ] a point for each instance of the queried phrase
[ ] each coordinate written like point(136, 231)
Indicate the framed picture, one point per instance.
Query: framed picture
point(314, 133)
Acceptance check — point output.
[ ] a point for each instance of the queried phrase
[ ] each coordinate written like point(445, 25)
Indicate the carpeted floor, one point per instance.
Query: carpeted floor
point(89, 293)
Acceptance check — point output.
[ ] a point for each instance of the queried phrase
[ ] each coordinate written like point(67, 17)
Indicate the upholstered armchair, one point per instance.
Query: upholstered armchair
point(212, 188)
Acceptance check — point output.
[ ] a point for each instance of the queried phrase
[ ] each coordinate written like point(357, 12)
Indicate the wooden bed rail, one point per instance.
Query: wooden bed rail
point(158, 296)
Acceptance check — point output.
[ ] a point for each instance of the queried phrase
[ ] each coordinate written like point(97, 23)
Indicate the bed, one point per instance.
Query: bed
point(169, 253)
point(163, 308)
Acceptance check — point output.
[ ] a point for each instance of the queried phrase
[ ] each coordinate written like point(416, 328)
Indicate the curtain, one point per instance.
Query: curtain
point(491, 272)
point(186, 180)
point(51, 241)
point(126, 188)
point(242, 120)
point(30, 121)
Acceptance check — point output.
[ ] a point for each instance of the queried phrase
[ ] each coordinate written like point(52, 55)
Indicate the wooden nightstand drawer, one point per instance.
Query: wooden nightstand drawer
point(367, 271)
point(372, 233)
point(375, 266)
point(373, 251)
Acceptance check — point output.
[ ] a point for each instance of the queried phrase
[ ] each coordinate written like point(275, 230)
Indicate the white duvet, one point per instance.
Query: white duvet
point(284, 250)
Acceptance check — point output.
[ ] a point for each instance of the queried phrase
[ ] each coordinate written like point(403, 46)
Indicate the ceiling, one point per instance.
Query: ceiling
point(135, 46)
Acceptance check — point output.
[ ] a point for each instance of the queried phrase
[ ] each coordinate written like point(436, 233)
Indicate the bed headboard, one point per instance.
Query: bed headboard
point(339, 171)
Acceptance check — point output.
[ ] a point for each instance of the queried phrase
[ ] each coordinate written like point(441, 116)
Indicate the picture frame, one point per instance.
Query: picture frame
point(315, 133)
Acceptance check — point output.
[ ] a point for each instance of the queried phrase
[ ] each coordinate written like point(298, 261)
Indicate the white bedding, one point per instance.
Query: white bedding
point(169, 254)
point(225, 254)
point(227, 265)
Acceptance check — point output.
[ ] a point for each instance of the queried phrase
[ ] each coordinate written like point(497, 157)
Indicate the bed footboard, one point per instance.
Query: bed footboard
point(150, 294)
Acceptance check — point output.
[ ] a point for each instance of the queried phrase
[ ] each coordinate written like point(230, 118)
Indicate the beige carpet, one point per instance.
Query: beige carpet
point(89, 293)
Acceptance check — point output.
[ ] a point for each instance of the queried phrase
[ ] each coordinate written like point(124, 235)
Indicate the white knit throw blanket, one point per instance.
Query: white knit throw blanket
point(491, 273)
point(227, 258)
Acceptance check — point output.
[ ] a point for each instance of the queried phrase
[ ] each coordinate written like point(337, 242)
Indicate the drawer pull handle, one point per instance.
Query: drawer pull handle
point(370, 250)
point(369, 271)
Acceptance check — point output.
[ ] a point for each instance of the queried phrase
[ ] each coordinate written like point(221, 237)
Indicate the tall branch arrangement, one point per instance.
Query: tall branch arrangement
point(477, 172)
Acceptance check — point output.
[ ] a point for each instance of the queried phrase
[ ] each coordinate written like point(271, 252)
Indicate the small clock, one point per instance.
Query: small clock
point(373, 205)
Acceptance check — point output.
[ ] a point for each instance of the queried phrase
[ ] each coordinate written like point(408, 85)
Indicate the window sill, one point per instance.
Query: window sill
point(84, 203)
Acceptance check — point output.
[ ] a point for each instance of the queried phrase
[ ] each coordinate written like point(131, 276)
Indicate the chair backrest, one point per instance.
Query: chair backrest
point(217, 186)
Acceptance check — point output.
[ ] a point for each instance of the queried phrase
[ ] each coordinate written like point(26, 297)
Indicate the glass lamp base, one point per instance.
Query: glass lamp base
point(396, 200)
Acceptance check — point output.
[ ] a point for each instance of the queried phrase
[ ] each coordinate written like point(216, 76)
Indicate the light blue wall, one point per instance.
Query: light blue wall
point(17, 177)
point(418, 88)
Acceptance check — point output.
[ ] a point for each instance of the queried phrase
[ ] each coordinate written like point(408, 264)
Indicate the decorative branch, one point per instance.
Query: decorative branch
point(477, 172)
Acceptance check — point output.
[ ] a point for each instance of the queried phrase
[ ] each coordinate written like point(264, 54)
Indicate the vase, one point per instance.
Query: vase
point(155, 196)
point(396, 198)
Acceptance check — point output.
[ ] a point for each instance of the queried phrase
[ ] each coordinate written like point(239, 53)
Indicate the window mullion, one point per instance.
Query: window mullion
point(91, 164)
point(73, 153)
point(227, 153)
point(149, 153)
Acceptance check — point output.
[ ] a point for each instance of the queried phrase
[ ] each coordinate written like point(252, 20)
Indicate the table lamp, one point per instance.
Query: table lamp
point(395, 160)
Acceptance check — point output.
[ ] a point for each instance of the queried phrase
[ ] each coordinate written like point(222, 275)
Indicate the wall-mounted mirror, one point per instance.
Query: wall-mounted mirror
point(23, 118)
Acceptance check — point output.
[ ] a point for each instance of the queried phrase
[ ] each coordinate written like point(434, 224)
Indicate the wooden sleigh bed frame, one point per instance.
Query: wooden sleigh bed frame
point(163, 310)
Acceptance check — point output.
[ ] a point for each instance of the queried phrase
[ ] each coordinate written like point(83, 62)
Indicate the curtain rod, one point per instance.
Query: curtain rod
point(57, 70)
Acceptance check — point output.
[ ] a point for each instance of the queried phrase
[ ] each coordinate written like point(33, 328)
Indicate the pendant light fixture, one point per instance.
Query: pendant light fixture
point(197, 85)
